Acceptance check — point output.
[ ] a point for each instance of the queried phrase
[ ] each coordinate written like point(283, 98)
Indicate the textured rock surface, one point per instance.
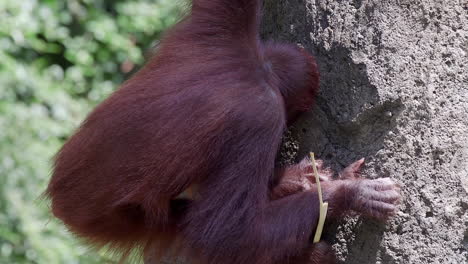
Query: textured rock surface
point(394, 90)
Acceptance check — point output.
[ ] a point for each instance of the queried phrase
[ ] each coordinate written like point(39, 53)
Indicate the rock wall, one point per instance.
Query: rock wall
point(394, 89)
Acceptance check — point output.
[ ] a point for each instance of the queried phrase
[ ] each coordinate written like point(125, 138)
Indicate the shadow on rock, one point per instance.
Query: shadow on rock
point(350, 120)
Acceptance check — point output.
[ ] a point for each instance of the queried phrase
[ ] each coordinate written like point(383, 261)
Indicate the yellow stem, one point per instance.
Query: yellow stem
point(323, 206)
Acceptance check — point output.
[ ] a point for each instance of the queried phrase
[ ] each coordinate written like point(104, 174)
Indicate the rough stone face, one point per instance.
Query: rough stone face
point(394, 89)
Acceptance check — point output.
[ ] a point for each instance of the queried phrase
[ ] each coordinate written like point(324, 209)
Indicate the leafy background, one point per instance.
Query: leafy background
point(59, 58)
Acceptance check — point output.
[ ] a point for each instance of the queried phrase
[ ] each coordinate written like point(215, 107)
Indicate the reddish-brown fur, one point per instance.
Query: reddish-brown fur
point(208, 110)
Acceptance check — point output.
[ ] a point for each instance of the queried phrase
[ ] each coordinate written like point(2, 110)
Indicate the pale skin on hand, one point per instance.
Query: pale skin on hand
point(345, 194)
point(375, 198)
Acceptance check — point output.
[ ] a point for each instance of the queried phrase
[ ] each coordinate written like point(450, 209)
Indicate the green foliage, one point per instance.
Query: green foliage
point(58, 58)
